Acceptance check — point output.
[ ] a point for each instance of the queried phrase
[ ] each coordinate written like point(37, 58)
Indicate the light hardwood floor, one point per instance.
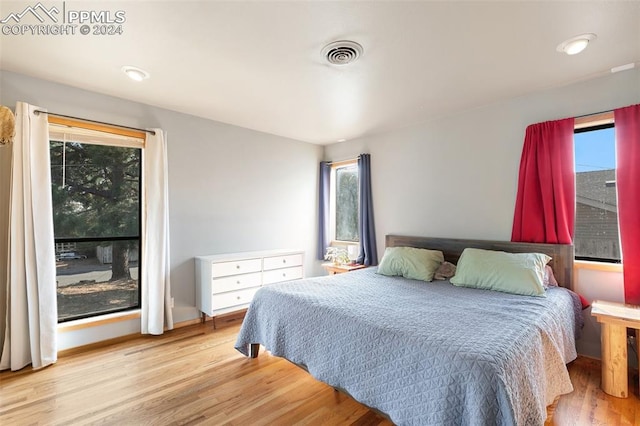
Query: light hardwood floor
point(194, 376)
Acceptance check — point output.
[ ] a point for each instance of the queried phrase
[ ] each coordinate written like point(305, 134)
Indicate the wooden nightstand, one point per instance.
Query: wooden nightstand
point(615, 319)
point(334, 269)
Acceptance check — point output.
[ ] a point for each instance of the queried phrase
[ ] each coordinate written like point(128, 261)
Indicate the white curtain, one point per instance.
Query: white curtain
point(5, 190)
point(28, 289)
point(156, 287)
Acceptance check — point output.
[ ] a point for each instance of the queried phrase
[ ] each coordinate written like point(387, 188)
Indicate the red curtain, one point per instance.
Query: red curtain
point(545, 203)
point(628, 185)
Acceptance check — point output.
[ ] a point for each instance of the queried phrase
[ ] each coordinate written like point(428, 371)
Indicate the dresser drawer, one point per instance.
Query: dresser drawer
point(236, 282)
point(279, 275)
point(223, 269)
point(277, 262)
point(233, 298)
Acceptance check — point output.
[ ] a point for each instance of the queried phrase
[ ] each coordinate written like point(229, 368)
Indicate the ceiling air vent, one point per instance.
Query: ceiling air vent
point(342, 52)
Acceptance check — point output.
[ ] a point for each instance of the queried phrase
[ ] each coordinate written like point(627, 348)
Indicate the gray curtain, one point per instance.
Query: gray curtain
point(368, 251)
point(323, 208)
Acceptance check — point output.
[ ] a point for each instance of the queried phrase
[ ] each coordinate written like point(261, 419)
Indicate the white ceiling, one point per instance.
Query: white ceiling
point(258, 64)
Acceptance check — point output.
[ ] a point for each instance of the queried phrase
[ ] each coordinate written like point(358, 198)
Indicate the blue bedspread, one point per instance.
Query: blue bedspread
point(423, 353)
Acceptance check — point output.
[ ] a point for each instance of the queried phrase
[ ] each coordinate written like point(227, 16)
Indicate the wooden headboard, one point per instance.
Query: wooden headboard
point(562, 255)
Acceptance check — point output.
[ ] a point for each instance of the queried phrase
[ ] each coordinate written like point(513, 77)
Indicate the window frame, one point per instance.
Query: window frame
point(333, 202)
point(594, 122)
point(105, 135)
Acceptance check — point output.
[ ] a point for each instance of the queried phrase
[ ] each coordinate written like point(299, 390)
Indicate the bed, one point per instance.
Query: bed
point(427, 353)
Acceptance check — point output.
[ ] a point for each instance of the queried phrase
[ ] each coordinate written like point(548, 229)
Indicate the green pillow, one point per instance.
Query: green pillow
point(409, 262)
point(518, 273)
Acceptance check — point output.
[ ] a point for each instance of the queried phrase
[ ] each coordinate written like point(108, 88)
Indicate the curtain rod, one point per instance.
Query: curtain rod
point(95, 121)
point(593, 113)
point(343, 161)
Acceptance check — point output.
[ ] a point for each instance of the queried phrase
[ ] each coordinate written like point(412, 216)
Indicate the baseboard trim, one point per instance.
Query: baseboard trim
point(119, 339)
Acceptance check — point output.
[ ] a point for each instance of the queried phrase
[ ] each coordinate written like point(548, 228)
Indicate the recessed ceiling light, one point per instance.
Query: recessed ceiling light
point(576, 44)
point(135, 73)
point(341, 140)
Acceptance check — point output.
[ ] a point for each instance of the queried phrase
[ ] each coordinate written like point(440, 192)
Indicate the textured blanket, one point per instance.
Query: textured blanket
point(423, 353)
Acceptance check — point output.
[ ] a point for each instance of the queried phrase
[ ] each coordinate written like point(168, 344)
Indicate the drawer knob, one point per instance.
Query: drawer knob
point(238, 297)
point(238, 282)
point(237, 266)
point(284, 260)
point(284, 274)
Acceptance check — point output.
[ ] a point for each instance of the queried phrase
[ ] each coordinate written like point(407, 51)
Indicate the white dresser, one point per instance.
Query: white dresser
point(227, 282)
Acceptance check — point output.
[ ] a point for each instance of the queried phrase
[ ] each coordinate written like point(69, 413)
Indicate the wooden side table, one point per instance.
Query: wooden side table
point(615, 319)
point(334, 269)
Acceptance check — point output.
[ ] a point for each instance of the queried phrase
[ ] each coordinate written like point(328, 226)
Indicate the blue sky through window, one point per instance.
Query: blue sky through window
point(595, 150)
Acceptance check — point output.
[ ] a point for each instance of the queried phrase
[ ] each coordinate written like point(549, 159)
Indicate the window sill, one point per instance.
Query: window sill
point(98, 321)
point(597, 266)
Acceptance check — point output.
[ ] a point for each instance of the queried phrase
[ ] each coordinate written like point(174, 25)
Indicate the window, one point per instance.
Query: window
point(596, 234)
point(96, 182)
point(344, 202)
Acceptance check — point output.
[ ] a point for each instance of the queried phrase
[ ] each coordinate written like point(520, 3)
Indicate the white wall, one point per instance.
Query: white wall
point(456, 176)
point(230, 189)
point(596, 284)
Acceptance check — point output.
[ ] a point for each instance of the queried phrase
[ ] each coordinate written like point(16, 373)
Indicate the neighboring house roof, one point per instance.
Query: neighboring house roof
point(592, 189)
